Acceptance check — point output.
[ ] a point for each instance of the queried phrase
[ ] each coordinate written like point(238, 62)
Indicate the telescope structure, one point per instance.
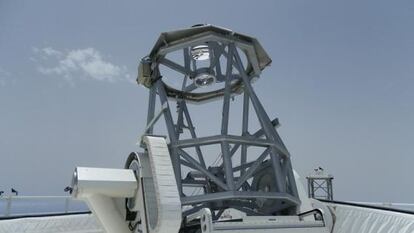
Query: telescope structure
point(244, 184)
point(189, 178)
point(177, 185)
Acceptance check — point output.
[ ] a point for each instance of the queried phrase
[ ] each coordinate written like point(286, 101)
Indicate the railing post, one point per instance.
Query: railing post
point(67, 204)
point(8, 206)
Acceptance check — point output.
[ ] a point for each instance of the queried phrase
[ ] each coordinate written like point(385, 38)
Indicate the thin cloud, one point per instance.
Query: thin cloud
point(87, 63)
point(5, 77)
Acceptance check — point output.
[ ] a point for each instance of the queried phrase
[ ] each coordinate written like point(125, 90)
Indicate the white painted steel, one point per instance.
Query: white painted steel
point(265, 224)
point(272, 224)
point(109, 213)
point(105, 190)
point(352, 219)
point(137, 203)
point(83, 223)
point(104, 181)
point(167, 198)
point(305, 204)
point(349, 219)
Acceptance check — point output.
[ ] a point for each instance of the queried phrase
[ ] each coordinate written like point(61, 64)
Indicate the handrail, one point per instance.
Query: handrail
point(314, 212)
point(64, 207)
point(35, 197)
point(368, 205)
point(44, 215)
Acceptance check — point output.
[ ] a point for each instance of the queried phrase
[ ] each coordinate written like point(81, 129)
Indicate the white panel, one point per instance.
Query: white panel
point(165, 187)
point(104, 181)
point(351, 219)
point(85, 223)
point(265, 224)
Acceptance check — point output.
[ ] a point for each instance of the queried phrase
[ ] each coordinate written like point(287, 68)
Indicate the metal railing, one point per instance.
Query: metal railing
point(389, 206)
point(393, 205)
point(38, 205)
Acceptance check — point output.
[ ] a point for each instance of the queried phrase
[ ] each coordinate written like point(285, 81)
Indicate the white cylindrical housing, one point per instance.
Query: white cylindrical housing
point(103, 190)
point(104, 181)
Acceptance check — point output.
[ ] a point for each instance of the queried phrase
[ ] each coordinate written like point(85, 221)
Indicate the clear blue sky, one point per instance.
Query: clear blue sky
point(341, 83)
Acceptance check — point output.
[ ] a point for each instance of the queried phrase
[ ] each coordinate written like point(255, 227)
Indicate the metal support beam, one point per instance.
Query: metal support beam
point(208, 174)
point(172, 65)
point(171, 134)
point(187, 164)
point(151, 108)
point(225, 148)
point(150, 125)
point(179, 126)
point(259, 133)
point(243, 166)
point(252, 169)
point(193, 134)
point(265, 123)
point(232, 139)
point(229, 195)
point(245, 129)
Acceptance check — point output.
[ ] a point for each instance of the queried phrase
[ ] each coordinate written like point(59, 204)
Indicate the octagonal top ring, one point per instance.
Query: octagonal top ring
point(169, 42)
